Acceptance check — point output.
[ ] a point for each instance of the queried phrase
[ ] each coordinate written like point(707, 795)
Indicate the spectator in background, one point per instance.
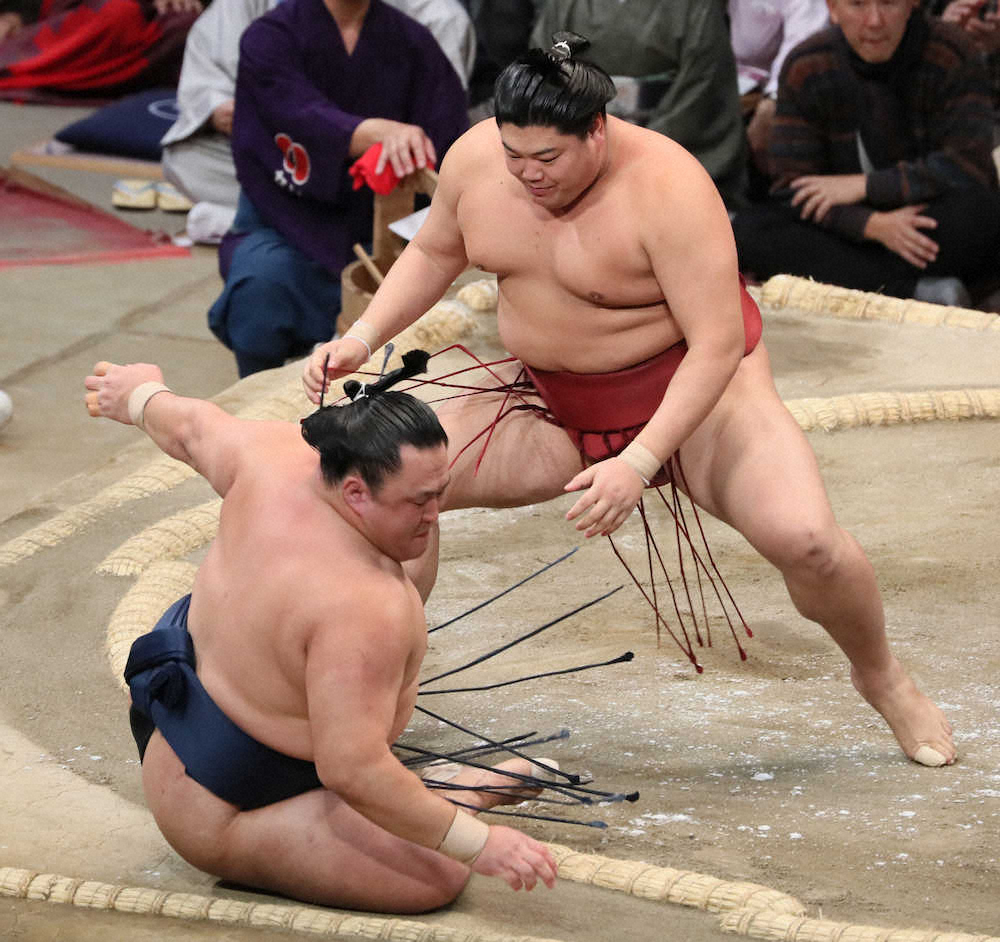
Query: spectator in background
point(319, 83)
point(197, 154)
point(981, 21)
point(762, 33)
point(673, 66)
point(881, 149)
point(503, 32)
point(197, 157)
point(451, 26)
point(90, 50)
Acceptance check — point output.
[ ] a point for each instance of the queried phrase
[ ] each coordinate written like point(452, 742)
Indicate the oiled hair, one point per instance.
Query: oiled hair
point(553, 88)
point(365, 436)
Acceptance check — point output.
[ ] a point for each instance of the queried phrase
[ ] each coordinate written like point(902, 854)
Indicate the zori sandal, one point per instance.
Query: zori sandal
point(170, 199)
point(134, 194)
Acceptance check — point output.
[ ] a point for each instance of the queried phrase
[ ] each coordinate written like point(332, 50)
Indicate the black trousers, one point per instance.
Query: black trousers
point(771, 239)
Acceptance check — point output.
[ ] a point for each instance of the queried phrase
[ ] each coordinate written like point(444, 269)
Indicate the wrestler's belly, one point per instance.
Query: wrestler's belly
point(585, 339)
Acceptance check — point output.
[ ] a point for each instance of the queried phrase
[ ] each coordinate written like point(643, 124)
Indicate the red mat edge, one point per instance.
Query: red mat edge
point(105, 258)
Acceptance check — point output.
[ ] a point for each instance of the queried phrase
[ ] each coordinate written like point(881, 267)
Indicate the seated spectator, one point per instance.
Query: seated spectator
point(881, 149)
point(503, 32)
point(451, 26)
point(981, 22)
point(762, 33)
point(315, 91)
point(90, 50)
point(197, 156)
point(681, 54)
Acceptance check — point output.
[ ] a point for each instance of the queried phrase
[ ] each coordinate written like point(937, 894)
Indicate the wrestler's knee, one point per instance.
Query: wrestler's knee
point(204, 851)
point(809, 549)
point(441, 891)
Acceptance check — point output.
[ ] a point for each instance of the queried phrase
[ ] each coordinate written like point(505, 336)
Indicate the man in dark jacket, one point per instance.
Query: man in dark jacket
point(881, 151)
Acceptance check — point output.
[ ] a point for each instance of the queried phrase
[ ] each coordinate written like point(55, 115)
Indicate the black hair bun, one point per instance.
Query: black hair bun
point(565, 45)
point(414, 362)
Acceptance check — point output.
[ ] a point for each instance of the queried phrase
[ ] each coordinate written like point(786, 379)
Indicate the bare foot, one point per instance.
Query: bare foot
point(494, 778)
point(916, 721)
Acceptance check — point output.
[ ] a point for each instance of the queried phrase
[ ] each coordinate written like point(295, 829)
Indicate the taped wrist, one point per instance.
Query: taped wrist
point(465, 839)
point(641, 460)
point(139, 397)
point(363, 333)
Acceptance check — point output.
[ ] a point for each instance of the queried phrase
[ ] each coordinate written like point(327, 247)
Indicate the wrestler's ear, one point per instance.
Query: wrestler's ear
point(357, 495)
point(597, 127)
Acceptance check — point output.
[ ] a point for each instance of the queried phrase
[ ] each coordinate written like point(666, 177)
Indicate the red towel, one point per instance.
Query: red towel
point(363, 171)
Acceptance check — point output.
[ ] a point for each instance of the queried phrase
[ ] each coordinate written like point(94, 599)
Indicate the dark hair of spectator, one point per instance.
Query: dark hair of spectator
point(365, 436)
point(553, 89)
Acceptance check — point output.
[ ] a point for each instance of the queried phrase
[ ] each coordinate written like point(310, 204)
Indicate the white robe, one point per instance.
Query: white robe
point(764, 32)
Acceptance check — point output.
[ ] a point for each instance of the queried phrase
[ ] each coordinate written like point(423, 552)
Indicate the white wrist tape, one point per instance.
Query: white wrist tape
point(641, 460)
point(139, 397)
point(363, 333)
point(465, 839)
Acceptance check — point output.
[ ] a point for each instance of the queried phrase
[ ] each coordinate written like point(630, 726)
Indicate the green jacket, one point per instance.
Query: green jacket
point(683, 47)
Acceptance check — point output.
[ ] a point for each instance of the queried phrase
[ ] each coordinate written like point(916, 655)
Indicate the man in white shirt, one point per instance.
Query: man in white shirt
point(763, 32)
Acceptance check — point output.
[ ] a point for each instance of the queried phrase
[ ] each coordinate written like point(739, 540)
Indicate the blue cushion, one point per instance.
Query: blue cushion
point(130, 127)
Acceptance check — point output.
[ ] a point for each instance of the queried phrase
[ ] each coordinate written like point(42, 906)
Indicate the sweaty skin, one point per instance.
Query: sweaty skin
point(608, 250)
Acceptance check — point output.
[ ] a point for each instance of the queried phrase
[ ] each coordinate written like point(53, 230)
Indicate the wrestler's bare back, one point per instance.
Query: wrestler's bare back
point(586, 272)
point(253, 623)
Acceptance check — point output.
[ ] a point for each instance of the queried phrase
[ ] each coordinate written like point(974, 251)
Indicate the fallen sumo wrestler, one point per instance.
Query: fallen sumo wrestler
point(167, 695)
point(259, 705)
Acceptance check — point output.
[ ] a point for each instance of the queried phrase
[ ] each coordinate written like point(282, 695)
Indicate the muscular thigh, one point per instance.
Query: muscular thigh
point(526, 459)
point(312, 847)
point(189, 816)
point(750, 465)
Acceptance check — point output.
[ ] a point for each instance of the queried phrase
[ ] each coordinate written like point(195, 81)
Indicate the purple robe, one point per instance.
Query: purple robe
point(299, 97)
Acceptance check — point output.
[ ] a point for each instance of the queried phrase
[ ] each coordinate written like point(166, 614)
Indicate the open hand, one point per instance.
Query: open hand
point(109, 386)
point(519, 860)
point(613, 488)
point(900, 231)
point(406, 147)
point(817, 194)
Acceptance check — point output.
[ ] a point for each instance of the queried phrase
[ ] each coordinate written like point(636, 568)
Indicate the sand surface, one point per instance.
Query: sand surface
point(770, 771)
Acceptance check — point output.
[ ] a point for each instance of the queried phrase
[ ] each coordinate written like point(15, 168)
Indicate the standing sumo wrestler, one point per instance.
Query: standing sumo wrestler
point(619, 294)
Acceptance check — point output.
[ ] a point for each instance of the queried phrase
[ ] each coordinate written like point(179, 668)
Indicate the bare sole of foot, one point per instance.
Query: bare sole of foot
point(505, 794)
point(919, 725)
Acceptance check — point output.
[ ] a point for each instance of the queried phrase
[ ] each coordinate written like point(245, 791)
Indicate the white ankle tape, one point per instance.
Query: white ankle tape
point(641, 460)
point(363, 333)
point(139, 397)
point(465, 839)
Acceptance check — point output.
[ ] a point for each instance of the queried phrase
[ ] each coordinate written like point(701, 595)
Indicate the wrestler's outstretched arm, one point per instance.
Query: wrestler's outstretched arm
point(417, 280)
point(194, 431)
